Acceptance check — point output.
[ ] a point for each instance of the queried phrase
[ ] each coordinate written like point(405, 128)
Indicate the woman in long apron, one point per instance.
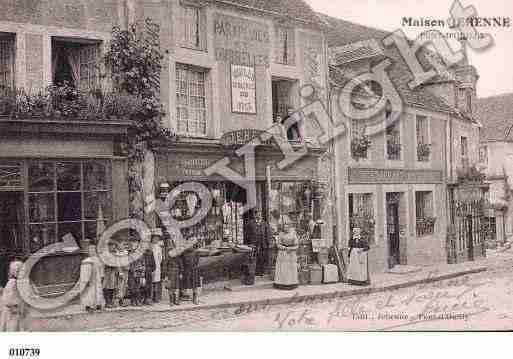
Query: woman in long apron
point(286, 276)
point(358, 269)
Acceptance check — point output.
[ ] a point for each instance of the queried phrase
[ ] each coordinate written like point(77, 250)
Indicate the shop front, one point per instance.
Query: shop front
point(290, 195)
point(57, 187)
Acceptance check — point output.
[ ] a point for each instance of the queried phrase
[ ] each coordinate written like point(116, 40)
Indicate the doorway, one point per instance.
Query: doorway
point(470, 238)
point(11, 230)
point(392, 209)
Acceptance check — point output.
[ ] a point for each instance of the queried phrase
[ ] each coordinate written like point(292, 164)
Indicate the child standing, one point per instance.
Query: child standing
point(110, 281)
point(136, 275)
point(12, 307)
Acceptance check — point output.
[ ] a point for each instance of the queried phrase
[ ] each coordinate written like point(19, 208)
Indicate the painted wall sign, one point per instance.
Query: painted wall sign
point(243, 83)
point(380, 176)
point(239, 137)
point(241, 41)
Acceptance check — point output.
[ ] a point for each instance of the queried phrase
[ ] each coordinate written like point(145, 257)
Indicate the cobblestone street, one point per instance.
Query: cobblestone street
point(477, 301)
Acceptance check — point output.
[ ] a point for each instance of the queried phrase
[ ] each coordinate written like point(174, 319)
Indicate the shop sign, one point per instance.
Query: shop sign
point(241, 41)
point(382, 176)
point(243, 89)
point(240, 137)
point(193, 166)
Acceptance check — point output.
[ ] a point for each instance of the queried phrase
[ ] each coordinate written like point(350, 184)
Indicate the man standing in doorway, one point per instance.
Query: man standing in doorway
point(264, 237)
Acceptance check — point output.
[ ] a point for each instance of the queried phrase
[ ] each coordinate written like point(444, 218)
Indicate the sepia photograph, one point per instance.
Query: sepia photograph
point(255, 166)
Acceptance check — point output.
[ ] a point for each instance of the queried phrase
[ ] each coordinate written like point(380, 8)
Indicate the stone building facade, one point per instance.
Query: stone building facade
point(394, 180)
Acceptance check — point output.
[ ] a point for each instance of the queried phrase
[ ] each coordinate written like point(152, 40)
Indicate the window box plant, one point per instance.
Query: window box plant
point(423, 151)
point(360, 146)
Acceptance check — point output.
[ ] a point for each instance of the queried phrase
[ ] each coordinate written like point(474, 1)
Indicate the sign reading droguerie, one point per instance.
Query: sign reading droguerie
point(241, 41)
point(243, 89)
point(240, 137)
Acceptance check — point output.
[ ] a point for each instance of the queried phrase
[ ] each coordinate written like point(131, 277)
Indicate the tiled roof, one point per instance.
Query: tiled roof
point(341, 32)
point(496, 115)
point(295, 9)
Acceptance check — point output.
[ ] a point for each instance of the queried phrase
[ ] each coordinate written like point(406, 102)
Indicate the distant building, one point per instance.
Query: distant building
point(496, 160)
point(403, 188)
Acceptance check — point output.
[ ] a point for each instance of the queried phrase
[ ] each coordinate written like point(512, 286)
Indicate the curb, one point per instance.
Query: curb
point(295, 298)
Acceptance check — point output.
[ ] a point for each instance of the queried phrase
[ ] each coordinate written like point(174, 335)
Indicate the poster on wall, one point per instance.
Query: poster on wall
point(243, 89)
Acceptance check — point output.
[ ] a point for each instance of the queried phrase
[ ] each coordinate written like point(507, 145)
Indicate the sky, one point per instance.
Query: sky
point(494, 65)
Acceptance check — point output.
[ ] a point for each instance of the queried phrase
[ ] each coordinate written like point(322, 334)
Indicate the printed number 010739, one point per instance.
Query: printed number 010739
point(24, 352)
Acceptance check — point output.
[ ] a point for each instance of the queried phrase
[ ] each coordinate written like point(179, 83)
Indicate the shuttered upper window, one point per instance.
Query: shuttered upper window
point(6, 61)
point(284, 46)
point(190, 28)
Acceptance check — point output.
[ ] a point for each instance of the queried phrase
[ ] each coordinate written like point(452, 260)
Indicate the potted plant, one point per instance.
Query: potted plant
point(423, 151)
point(359, 146)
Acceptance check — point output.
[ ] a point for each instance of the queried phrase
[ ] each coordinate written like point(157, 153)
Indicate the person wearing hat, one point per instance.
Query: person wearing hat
point(156, 246)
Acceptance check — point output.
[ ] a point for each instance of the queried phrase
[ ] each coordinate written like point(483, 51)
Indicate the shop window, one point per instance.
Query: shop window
point(283, 108)
point(7, 53)
point(75, 62)
point(191, 31)
point(361, 215)
point(284, 46)
point(290, 201)
point(68, 197)
point(191, 101)
point(424, 213)
point(423, 141)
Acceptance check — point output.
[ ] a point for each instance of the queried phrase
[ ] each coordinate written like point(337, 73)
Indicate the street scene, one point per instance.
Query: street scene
point(245, 165)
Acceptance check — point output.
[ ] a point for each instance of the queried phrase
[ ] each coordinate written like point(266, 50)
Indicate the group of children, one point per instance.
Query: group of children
point(140, 282)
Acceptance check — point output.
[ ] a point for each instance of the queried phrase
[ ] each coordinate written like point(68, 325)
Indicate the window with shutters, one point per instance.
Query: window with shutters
point(464, 152)
point(7, 52)
point(284, 46)
point(424, 213)
point(191, 32)
point(191, 101)
point(423, 140)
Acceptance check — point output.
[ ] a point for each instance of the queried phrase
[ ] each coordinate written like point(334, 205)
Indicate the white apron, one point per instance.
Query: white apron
point(11, 308)
point(158, 256)
point(358, 266)
point(286, 268)
point(93, 293)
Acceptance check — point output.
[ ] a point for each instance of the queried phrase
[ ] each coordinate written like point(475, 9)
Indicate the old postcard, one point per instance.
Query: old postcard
point(244, 165)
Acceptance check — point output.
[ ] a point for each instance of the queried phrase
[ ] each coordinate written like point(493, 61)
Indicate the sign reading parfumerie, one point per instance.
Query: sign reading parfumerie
point(241, 41)
point(243, 89)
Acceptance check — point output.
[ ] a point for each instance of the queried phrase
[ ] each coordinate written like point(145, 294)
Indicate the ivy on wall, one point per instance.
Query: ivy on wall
point(134, 61)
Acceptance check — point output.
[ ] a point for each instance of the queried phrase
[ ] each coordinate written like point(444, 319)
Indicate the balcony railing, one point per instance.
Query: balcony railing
point(393, 151)
point(425, 226)
point(67, 103)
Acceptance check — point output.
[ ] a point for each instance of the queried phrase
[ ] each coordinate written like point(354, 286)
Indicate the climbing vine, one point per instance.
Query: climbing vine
point(134, 62)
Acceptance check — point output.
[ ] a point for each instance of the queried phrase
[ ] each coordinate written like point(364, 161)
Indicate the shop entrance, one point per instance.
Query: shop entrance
point(470, 238)
point(11, 226)
point(394, 257)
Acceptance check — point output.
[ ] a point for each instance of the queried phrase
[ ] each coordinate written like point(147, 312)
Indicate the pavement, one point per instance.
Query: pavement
point(233, 294)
